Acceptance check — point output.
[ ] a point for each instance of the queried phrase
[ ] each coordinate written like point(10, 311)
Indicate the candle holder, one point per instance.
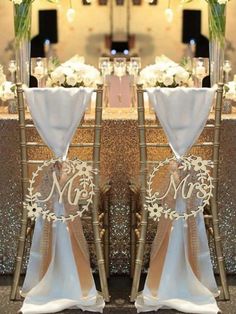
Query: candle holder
point(39, 70)
point(200, 70)
point(227, 69)
point(12, 67)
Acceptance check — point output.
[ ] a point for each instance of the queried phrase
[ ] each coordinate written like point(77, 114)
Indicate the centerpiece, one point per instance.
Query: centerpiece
point(7, 92)
point(22, 26)
point(73, 73)
point(165, 73)
point(216, 22)
point(230, 90)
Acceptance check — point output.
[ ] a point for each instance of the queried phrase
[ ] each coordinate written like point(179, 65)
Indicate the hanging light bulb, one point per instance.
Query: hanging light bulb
point(169, 14)
point(152, 2)
point(70, 14)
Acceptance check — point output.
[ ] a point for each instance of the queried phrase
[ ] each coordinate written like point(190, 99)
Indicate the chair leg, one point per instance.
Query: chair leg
point(133, 242)
point(20, 255)
point(95, 217)
point(24, 184)
point(99, 249)
point(139, 256)
point(208, 222)
point(214, 200)
point(219, 254)
point(143, 174)
point(107, 234)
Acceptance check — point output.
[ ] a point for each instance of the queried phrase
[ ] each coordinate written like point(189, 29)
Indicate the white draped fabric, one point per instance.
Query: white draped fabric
point(182, 113)
point(56, 114)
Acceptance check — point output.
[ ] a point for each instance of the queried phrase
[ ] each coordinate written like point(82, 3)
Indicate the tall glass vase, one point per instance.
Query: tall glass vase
point(22, 24)
point(217, 19)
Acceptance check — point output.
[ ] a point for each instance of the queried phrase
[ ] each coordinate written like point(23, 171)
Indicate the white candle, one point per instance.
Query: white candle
point(12, 68)
point(38, 70)
point(200, 70)
point(227, 66)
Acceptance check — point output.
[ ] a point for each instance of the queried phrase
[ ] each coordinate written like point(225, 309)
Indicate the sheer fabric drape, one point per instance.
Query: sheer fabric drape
point(58, 274)
point(180, 274)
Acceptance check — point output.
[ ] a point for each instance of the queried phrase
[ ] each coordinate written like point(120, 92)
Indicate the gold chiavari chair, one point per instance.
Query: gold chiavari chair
point(210, 213)
point(98, 219)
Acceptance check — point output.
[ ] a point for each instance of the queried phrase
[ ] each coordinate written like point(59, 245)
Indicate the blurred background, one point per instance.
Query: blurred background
point(105, 28)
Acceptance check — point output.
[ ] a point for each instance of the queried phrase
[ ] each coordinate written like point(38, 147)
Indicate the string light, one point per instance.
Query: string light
point(70, 14)
point(169, 14)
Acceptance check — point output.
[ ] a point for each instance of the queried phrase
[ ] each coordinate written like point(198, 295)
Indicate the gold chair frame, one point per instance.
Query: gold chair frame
point(143, 218)
point(100, 236)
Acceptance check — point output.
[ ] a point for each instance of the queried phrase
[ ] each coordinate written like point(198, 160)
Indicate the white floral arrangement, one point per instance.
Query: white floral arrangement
point(2, 75)
point(6, 87)
point(165, 73)
point(230, 90)
point(7, 91)
point(73, 73)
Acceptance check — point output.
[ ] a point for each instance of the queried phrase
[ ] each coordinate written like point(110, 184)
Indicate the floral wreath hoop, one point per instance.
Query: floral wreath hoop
point(77, 168)
point(204, 185)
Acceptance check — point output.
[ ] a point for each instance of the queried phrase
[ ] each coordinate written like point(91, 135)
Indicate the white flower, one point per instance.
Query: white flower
point(199, 164)
point(155, 211)
point(34, 211)
point(181, 76)
point(79, 78)
point(2, 78)
point(150, 80)
point(230, 90)
point(159, 76)
point(58, 71)
point(17, 1)
point(172, 70)
point(2, 75)
point(71, 79)
point(168, 80)
point(6, 92)
point(88, 81)
point(84, 169)
point(57, 77)
point(67, 70)
point(222, 1)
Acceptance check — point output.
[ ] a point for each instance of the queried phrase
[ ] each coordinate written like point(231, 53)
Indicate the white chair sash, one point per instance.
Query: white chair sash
point(183, 113)
point(56, 113)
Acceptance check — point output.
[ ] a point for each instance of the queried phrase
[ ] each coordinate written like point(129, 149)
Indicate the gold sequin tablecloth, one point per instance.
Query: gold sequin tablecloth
point(119, 163)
